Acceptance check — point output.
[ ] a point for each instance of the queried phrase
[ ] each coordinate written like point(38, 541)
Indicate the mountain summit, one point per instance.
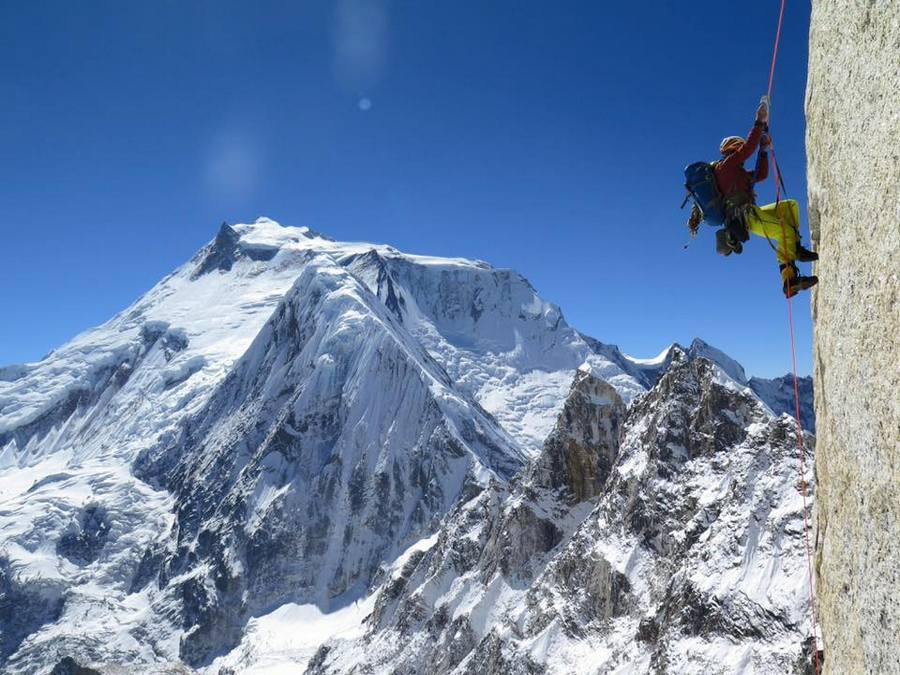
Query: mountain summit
point(290, 426)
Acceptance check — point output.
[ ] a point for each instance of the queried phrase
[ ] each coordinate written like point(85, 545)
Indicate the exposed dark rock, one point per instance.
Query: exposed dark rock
point(221, 254)
point(147, 570)
point(581, 450)
point(597, 591)
point(373, 268)
point(648, 630)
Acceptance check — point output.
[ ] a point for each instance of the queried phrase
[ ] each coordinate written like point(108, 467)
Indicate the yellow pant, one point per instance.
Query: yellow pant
point(779, 223)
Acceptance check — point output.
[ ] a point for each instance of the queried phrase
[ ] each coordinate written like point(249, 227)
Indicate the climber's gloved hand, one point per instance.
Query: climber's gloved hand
point(762, 113)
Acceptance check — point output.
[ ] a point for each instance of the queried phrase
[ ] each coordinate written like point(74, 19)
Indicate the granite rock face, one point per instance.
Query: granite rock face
point(853, 129)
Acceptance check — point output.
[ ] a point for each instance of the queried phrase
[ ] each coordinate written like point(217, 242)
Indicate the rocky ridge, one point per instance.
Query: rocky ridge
point(667, 537)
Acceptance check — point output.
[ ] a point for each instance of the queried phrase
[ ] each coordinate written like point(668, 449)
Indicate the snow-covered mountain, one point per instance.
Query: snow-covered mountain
point(287, 427)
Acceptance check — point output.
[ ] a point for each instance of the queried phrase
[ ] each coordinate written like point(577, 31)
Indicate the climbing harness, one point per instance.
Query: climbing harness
point(779, 184)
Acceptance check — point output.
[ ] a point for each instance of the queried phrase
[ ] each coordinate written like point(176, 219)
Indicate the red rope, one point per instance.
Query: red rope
point(799, 431)
point(775, 49)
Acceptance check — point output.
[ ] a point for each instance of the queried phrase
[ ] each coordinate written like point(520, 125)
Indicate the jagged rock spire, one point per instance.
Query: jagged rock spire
point(584, 444)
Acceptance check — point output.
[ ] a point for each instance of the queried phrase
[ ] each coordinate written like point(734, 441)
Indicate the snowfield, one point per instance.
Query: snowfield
point(299, 453)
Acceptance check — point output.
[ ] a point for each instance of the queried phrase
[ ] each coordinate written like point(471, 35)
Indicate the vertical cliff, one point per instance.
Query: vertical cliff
point(853, 152)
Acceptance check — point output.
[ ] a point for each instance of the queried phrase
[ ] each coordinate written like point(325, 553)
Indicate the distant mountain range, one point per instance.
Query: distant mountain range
point(299, 453)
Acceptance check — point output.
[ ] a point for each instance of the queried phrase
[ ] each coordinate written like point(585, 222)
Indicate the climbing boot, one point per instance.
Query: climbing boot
point(736, 246)
point(736, 233)
point(797, 284)
point(737, 230)
point(723, 247)
point(726, 245)
point(805, 255)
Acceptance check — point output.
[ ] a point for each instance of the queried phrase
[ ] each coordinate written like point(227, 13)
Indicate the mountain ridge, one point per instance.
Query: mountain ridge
point(617, 578)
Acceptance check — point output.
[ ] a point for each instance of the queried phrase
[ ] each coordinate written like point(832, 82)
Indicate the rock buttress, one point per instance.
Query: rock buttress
point(853, 153)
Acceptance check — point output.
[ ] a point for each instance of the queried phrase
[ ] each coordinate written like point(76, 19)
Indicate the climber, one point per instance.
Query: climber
point(740, 213)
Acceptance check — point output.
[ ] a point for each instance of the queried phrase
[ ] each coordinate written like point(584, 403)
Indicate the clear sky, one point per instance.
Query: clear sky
point(546, 137)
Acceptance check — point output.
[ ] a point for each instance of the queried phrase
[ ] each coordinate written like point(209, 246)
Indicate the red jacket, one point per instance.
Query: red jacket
point(731, 177)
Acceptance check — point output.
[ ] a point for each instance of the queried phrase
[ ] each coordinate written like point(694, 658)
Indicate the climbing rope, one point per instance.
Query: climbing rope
point(775, 49)
point(799, 431)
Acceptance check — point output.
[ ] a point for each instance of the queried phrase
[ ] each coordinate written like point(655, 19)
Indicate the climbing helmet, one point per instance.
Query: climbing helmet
point(729, 144)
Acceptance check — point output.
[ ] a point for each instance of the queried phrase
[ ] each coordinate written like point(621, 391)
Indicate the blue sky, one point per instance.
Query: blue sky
point(546, 137)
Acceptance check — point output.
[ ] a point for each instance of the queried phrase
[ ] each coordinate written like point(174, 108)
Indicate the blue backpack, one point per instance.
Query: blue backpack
point(700, 181)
